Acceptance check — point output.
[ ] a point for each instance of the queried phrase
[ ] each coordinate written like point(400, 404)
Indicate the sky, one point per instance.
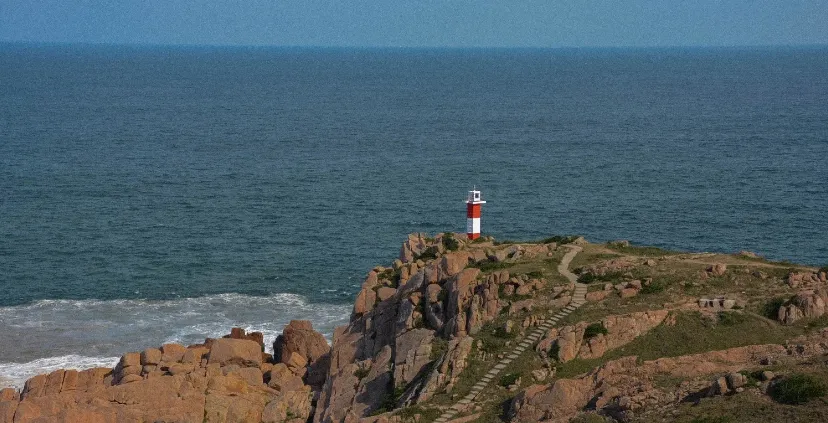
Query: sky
point(418, 23)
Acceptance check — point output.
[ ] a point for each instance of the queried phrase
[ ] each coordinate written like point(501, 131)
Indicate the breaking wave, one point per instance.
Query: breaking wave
point(88, 333)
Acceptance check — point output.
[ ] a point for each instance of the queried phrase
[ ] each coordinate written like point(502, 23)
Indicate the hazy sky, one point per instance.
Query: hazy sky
point(454, 23)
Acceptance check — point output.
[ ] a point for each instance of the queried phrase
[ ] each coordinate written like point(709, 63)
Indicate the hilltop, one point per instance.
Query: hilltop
point(456, 330)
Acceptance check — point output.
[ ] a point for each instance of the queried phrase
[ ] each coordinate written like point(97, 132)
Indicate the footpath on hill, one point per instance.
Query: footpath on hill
point(578, 299)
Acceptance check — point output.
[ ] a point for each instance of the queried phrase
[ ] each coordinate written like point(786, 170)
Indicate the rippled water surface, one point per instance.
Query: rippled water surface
point(156, 195)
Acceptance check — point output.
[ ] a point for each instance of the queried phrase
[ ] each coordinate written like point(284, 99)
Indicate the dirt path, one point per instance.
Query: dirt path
point(578, 298)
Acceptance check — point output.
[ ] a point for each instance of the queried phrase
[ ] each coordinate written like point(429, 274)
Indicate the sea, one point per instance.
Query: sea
point(166, 194)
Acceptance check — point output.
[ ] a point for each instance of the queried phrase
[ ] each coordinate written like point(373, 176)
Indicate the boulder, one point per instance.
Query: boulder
point(151, 356)
point(385, 293)
point(299, 337)
point(172, 353)
point(788, 314)
point(736, 380)
point(433, 293)
point(296, 362)
point(239, 333)
point(242, 352)
point(811, 303)
point(130, 359)
point(628, 292)
point(596, 296)
point(282, 379)
point(717, 269)
point(719, 387)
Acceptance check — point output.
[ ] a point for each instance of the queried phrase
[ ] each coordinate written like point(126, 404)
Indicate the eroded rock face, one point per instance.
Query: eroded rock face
point(412, 355)
point(444, 374)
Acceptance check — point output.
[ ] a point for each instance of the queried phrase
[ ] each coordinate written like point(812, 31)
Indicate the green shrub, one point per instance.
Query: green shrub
point(429, 253)
point(500, 332)
point(771, 308)
point(798, 389)
point(594, 330)
point(509, 379)
point(535, 274)
point(653, 287)
point(717, 419)
point(824, 269)
point(450, 243)
point(607, 277)
point(559, 239)
point(390, 401)
point(554, 350)
point(438, 347)
point(361, 372)
point(588, 278)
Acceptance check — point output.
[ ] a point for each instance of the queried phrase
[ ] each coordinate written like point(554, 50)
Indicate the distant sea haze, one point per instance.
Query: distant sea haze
point(152, 195)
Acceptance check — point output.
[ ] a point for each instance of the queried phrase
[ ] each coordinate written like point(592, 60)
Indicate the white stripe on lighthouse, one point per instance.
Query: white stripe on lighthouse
point(473, 225)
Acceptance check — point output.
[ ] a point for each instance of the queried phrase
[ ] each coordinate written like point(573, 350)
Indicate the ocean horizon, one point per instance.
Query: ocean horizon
point(166, 194)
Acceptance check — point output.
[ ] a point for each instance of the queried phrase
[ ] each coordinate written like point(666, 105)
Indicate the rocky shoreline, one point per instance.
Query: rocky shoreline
point(422, 330)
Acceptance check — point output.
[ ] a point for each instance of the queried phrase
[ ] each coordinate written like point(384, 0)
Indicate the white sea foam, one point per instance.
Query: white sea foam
point(15, 374)
point(50, 334)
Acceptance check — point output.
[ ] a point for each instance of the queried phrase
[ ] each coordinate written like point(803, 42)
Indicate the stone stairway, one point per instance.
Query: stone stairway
point(578, 298)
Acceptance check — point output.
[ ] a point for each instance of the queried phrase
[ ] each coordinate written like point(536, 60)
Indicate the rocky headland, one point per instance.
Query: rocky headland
point(454, 330)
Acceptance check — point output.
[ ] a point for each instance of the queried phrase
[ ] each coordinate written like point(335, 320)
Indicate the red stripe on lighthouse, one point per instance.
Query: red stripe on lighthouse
point(473, 211)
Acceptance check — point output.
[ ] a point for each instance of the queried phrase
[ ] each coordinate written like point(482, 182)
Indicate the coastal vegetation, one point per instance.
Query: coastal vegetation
point(641, 334)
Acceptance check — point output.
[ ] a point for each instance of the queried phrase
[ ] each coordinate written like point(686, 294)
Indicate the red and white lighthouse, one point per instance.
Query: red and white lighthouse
point(473, 214)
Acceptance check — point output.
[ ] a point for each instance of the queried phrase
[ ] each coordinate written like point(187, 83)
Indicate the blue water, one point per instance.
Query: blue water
point(164, 194)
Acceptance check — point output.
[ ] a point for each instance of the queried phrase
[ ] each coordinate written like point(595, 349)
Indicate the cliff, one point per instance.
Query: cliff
point(556, 330)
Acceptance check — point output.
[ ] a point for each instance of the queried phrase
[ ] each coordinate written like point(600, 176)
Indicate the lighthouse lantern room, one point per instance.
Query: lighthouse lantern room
point(473, 214)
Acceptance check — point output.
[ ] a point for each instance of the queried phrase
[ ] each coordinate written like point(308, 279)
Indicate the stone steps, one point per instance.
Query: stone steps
point(578, 299)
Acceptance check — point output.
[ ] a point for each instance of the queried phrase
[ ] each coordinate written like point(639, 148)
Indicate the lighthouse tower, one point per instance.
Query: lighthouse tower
point(473, 214)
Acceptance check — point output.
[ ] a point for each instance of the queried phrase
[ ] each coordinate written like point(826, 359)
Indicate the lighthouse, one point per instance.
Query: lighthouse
point(473, 214)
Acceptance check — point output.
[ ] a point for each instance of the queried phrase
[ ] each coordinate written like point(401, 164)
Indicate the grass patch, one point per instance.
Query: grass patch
point(488, 266)
point(731, 319)
point(694, 333)
point(589, 418)
point(640, 251)
point(798, 389)
point(715, 419)
point(691, 334)
point(409, 414)
point(594, 330)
